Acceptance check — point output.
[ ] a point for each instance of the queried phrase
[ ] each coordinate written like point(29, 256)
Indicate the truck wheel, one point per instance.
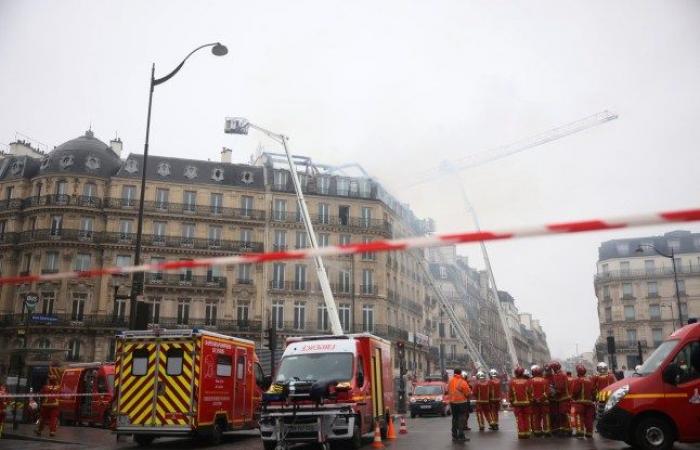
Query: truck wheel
point(216, 433)
point(107, 420)
point(654, 433)
point(269, 445)
point(143, 440)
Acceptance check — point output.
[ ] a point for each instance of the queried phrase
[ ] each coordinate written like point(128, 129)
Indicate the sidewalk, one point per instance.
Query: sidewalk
point(64, 434)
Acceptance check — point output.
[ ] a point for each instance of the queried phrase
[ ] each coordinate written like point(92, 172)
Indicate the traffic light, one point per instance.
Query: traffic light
point(272, 338)
point(400, 350)
point(611, 345)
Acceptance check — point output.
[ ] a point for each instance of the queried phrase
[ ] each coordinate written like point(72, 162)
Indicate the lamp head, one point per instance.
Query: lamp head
point(219, 49)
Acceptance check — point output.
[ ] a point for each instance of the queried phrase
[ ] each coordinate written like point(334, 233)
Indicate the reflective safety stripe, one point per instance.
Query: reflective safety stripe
point(660, 395)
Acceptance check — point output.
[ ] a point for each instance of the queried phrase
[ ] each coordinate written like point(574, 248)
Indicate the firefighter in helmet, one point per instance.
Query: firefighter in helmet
point(482, 397)
point(49, 406)
point(563, 398)
point(540, 403)
point(520, 395)
point(583, 397)
point(495, 398)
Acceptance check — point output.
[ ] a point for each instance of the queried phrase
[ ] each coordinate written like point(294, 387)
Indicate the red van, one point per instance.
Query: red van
point(94, 378)
point(661, 403)
point(429, 397)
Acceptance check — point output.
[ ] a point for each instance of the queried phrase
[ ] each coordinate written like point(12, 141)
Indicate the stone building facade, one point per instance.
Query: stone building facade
point(636, 292)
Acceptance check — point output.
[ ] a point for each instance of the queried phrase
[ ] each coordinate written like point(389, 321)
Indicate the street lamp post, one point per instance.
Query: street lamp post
point(672, 257)
point(669, 305)
point(138, 279)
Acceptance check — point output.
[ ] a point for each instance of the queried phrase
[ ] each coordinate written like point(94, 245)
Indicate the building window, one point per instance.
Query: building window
point(453, 331)
point(629, 312)
point(73, 350)
point(365, 188)
point(632, 361)
point(61, 189)
point(242, 313)
point(125, 228)
point(188, 233)
point(86, 227)
point(3, 225)
point(344, 281)
point(216, 201)
point(89, 191)
point(324, 185)
point(155, 309)
point(342, 186)
point(627, 290)
point(246, 235)
point(183, 311)
point(279, 211)
point(278, 314)
point(26, 262)
point(159, 232)
point(82, 262)
point(119, 308)
point(190, 201)
point(299, 315)
point(322, 318)
point(246, 205)
point(366, 216)
point(368, 318)
point(185, 274)
point(280, 242)
point(681, 287)
point(631, 335)
point(652, 289)
point(51, 262)
point(608, 314)
point(654, 312)
point(323, 213)
point(606, 292)
point(47, 302)
point(453, 352)
point(368, 256)
point(280, 179)
point(344, 315)
point(215, 233)
point(210, 309)
point(278, 276)
point(649, 266)
point(244, 274)
point(441, 330)
point(368, 287)
point(123, 260)
point(300, 277)
point(323, 239)
point(78, 307)
point(657, 334)
point(162, 196)
point(344, 239)
point(128, 195)
point(625, 267)
point(8, 192)
point(56, 225)
point(301, 239)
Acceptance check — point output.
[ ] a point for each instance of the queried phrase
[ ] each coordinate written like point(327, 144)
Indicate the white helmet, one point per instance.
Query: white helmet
point(465, 375)
point(493, 373)
point(527, 374)
point(602, 368)
point(481, 375)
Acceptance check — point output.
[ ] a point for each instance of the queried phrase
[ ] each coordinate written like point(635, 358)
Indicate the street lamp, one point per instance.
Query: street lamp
point(672, 257)
point(217, 49)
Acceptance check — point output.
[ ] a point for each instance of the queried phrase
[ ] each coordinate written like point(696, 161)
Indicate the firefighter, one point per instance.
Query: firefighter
point(520, 394)
point(552, 397)
point(540, 403)
point(583, 394)
point(603, 379)
point(49, 406)
point(482, 397)
point(495, 398)
point(458, 393)
point(3, 404)
point(563, 397)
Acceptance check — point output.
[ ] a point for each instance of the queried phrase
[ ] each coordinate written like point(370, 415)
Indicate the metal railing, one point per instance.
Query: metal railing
point(10, 204)
point(86, 201)
point(153, 240)
point(357, 223)
point(645, 273)
point(167, 207)
point(290, 286)
point(185, 280)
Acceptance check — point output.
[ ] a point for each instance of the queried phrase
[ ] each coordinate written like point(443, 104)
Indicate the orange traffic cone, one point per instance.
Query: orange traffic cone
point(402, 427)
point(377, 443)
point(391, 432)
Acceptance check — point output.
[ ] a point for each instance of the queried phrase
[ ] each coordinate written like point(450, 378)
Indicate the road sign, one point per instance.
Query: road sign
point(31, 300)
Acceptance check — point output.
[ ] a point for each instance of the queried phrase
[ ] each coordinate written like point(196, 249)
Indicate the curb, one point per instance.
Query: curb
point(24, 437)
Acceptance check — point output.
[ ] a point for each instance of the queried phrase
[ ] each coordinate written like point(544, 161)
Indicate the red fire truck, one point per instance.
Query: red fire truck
point(95, 382)
point(660, 404)
point(185, 383)
point(328, 388)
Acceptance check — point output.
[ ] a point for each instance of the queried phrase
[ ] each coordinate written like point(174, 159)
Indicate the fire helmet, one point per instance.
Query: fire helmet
point(493, 373)
point(602, 368)
point(481, 375)
point(580, 370)
point(519, 371)
point(555, 366)
point(536, 370)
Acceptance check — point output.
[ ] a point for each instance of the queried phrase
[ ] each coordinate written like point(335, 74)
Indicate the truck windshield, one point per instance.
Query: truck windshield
point(428, 390)
point(316, 367)
point(655, 359)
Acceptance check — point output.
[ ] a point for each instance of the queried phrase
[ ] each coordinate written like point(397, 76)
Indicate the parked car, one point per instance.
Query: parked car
point(429, 397)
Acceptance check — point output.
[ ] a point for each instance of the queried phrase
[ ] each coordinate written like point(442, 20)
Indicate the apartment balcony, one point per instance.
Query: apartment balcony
point(356, 224)
point(151, 240)
point(9, 238)
point(13, 204)
point(212, 324)
point(622, 346)
point(619, 275)
point(187, 209)
point(83, 201)
point(38, 319)
point(185, 280)
point(311, 327)
point(333, 190)
point(289, 286)
point(59, 235)
point(369, 290)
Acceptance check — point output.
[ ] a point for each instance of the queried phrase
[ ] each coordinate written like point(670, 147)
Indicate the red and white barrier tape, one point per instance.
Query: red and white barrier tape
point(38, 395)
point(437, 240)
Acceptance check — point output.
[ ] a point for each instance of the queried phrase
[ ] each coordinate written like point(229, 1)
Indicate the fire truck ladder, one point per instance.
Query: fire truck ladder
point(462, 331)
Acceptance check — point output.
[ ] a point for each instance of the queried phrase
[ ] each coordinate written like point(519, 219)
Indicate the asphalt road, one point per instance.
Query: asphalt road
point(431, 433)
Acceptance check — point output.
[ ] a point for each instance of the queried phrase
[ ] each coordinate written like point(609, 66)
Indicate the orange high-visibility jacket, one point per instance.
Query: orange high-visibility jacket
point(458, 390)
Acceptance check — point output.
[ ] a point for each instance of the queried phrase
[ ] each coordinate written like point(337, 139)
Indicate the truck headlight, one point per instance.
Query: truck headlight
point(412, 400)
point(616, 396)
point(438, 398)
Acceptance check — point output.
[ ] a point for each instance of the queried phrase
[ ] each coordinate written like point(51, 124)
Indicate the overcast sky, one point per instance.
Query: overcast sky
point(397, 87)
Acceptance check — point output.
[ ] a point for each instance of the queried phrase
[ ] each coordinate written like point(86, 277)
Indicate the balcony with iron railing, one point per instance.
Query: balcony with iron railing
point(189, 209)
point(59, 235)
point(9, 238)
point(617, 275)
point(184, 280)
point(83, 201)
point(154, 240)
point(332, 190)
point(12, 204)
point(289, 286)
point(622, 346)
point(306, 327)
point(355, 223)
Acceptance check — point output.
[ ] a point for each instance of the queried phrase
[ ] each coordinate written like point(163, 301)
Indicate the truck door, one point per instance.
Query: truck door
point(137, 375)
point(683, 399)
point(87, 386)
point(377, 385)
point(101, 399)
point(173, 386)
point(241, 395)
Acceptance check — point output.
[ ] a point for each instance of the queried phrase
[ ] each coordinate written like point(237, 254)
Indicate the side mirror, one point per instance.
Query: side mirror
point(360, 379)
point(670, 374)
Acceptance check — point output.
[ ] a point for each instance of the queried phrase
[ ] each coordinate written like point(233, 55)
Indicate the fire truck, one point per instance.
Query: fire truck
point(660, 403)
point(185, 383)
point(95, 382)
point(328, 388)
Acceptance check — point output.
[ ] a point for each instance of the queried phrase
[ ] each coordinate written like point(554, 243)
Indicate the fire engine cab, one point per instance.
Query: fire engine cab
point(185, 383)
point(660, 404)
point(328, 388)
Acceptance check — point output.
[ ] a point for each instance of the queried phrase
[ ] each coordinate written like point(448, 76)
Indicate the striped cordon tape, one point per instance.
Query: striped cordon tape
point(435, 240)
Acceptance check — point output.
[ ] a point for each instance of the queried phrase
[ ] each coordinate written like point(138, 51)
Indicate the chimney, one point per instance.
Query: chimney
point(116, 146)
point(24, 148)
point(226, 155)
